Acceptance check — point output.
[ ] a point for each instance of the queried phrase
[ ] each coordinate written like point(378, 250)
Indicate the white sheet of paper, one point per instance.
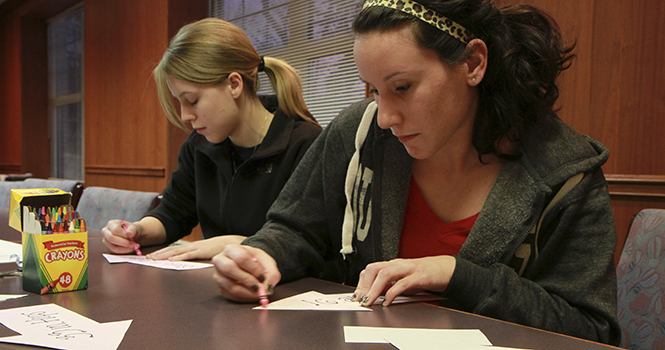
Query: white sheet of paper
point(398, 300)
point(412, 341)
point(469, 337)
point(7, 249)
point(4, 297)
point(162, 264)
point(53, 326)
point(316, 301)
point(334, 302)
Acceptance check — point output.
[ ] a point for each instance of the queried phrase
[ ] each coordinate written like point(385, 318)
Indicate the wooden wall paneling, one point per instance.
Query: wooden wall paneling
point(23, 84)
point(136, 178)
point(643, 79)
point(627, 105)
point(125, 131)
point(606, 78)
point(10, 95)
point(133, 183)
point(124, 42)
point(629, 102)
point(35, 140)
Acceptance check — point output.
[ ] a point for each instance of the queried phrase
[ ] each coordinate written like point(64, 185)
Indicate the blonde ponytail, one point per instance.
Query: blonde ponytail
point(287, 85)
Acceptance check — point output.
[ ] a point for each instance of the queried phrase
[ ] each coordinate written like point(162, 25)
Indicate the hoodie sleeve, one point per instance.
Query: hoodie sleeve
point(304, 224)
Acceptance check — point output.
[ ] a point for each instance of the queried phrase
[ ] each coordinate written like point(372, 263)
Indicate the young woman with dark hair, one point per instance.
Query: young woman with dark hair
point(457, 178)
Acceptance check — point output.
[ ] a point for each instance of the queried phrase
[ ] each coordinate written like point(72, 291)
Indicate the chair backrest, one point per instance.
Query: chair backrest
point(641, 290)
point(6, 188)
point(17, 177)
point(98, 205)
point(73, 186)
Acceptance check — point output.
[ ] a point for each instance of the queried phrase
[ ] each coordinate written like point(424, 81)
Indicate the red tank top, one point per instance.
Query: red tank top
point(423, 234)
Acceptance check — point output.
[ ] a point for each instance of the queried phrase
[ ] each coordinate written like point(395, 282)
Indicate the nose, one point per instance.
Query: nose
point(187, 114)
point(387, 115)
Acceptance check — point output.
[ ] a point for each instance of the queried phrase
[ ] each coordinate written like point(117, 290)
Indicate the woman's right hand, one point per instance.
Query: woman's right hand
point(240, 269)
point(117, 239)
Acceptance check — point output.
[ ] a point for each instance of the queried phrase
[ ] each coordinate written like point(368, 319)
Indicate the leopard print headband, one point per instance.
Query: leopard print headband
point(426, 15)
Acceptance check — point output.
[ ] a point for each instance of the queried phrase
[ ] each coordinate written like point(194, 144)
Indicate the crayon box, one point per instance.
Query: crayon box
point(54, 262)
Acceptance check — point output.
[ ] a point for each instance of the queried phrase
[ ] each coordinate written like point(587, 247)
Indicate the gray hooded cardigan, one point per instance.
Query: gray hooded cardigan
point(567, 282)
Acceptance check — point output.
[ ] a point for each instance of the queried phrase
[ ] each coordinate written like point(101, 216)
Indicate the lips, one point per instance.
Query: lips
point(406, 138)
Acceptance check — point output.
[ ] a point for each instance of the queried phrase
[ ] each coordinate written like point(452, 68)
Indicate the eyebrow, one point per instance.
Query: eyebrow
point(386, 78)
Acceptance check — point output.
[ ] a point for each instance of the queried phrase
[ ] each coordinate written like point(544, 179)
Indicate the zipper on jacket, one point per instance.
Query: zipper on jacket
point(229, 190)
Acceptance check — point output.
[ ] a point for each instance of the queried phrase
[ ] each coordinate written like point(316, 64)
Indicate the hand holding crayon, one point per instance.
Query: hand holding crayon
point(136, 245)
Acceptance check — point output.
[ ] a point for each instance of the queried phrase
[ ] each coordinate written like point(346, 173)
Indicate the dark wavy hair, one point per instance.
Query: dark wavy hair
point(526, 54)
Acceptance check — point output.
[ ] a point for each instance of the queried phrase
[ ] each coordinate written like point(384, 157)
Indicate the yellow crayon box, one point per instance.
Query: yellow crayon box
point(55, 258)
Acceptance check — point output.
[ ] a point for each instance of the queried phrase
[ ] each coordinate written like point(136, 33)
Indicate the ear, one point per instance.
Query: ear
point(477, 61)
point(236, 84)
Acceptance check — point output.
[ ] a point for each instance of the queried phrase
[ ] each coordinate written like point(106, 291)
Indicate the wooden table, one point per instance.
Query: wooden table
point(184, 310)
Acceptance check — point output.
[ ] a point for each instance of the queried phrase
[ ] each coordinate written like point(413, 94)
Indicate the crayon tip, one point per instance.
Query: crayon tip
point(137, 250)
point(263, 296)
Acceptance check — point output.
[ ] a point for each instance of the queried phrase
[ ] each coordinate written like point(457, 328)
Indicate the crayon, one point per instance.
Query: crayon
point(136, 246)
point(263, 295)
point(49, 286)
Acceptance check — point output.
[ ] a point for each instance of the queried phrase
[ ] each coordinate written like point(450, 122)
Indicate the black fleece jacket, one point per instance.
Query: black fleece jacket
point(204, 188)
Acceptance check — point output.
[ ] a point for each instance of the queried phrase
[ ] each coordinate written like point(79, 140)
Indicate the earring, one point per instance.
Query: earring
point(473, 80)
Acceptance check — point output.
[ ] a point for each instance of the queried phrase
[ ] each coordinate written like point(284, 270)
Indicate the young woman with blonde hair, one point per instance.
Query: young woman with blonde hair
point(239, 154)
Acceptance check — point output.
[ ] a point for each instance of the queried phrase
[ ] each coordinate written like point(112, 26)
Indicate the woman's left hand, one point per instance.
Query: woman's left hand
point(199, 250)
point(403, 277)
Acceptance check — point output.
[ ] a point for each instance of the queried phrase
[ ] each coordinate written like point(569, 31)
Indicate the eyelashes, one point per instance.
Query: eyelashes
point(398, 90)
point(403, 88)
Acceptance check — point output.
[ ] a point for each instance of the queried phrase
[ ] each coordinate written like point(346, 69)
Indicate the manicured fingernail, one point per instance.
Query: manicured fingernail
point(354, 296)
point(255, 287)
point(363, 299)
point(270, 289)
point(261, 278)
